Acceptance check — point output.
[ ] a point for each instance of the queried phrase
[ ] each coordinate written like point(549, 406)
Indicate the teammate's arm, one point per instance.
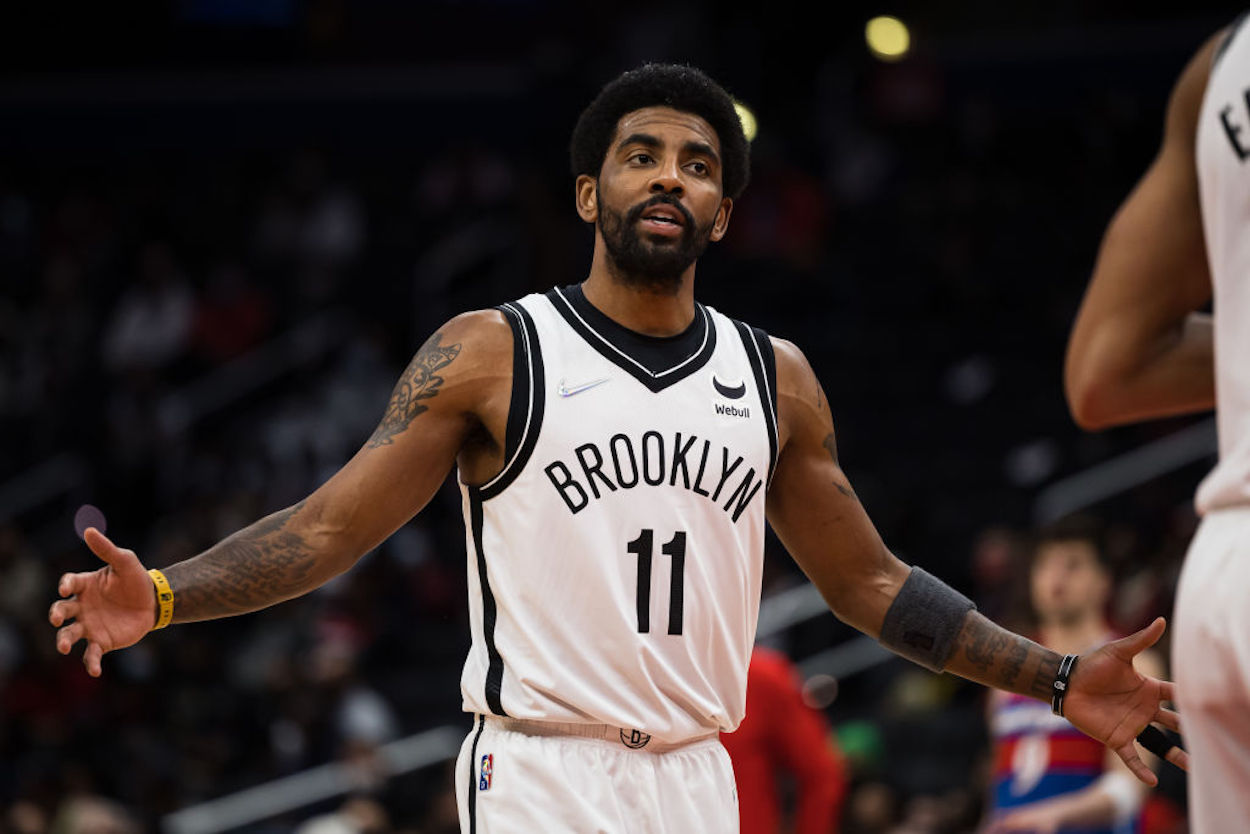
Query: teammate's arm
point(818, 517)
point(1139, 349)
point(433, 409)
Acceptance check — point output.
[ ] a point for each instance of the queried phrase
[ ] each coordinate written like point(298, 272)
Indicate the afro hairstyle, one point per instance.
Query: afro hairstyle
point(681, 87)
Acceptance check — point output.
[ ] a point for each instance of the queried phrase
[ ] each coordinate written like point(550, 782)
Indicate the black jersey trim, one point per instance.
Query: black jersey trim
point(525, 410)
point(763, 361)
point(619, 353)
point(473, 774)
point(1233, 28)
point(494, 667)
point(519, 403)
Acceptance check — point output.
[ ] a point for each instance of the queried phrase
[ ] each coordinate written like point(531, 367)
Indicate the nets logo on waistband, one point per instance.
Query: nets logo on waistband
point(488, 769)
point(635, 739)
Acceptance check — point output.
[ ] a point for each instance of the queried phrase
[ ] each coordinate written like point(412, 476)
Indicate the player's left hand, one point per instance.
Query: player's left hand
point(1111, 701)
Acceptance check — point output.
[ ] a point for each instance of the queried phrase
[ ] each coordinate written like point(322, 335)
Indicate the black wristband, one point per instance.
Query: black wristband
point(1059, 689)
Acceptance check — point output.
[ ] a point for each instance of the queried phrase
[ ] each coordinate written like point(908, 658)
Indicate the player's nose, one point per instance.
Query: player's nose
point(667, 180)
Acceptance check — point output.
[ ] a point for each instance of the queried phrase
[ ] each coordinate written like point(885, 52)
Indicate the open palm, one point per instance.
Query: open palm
point(1111, 701)
point(111, 608)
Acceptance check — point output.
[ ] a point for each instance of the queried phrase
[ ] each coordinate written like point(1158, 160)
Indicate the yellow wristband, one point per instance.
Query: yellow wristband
point(164, 596)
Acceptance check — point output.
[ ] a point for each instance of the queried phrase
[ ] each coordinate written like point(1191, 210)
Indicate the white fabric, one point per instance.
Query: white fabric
point(566, 583)
point(1224, 181)
point(1211, 659)
point(1125, 793)
point(572, 785)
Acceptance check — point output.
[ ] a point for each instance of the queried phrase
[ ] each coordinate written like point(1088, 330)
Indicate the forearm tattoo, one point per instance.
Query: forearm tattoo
point(1044, 679)
point(983, 648)
point(999, 658)
point(257, 566)
point(419, 382)
point(1014, 662)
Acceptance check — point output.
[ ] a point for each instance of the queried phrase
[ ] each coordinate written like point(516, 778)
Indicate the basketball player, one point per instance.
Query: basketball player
point(618, 446)
point(1048, 776)
point(1140, 348)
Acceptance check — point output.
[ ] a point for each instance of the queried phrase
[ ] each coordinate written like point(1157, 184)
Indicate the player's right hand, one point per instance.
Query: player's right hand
point(111, 608)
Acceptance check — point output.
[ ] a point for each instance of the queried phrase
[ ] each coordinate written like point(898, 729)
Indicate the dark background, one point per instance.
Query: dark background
point(225, 226)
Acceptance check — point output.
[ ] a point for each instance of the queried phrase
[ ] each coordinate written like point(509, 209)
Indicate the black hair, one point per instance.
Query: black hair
point(679, 86)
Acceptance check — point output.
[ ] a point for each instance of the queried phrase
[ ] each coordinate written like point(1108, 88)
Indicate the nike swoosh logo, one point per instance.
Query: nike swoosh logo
point(726, 391)
point(569, 390)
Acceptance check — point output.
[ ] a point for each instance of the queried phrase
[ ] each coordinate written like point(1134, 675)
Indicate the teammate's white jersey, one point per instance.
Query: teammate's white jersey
point(1223, 159)
point(615, 562)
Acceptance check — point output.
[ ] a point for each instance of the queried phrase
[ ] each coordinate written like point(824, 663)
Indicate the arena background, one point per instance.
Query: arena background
point(225, 226)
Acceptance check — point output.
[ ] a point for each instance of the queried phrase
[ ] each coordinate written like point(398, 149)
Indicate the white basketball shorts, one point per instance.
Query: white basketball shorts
point(523, 777)
point(1211, 661)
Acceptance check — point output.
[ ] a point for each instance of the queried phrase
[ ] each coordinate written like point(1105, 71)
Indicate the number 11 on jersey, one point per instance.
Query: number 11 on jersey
point(676, 548)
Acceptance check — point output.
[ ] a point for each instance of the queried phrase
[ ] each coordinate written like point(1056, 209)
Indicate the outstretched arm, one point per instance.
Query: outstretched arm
point(433, 409)
point(818, 517)
point(1139, 349)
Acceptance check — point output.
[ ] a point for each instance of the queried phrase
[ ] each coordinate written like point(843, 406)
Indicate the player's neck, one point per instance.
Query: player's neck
point(651, 312)
point(1075, 637)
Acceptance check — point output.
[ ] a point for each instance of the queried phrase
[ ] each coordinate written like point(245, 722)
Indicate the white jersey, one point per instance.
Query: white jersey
point(1223, 159)
point(615, 562)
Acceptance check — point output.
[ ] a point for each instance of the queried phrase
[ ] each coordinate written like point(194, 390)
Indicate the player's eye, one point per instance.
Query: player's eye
point(700, 168)
point(641, 158)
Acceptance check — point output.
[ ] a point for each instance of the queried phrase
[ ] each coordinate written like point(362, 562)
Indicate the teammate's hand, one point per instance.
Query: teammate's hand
point(1110, 701)
point(110, 608)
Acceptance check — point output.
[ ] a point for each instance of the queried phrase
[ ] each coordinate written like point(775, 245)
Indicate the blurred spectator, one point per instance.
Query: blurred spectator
point(24, 818)
point(23, 578)
point(311, 228)
point(872, 808)
point(997, 565)
point(784, 740)
point(61, 330)
point(93, 815)
point(358, 815)
point(1048, 776)
point(150, 326)
point(232, 315)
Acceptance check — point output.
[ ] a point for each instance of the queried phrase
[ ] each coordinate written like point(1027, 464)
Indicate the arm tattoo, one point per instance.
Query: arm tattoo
point(1044, 678)
point(1015, 661)
point(831, 446)
point(999, 659)
point(983, 647)
point(257, 566)
point(419, 382)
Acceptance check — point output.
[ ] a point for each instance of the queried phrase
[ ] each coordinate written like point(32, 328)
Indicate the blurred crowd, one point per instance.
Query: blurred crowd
point(189, 341)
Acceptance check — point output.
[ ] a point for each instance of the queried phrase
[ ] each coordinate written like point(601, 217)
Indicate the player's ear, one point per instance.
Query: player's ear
point(586, 196)
point(721, 224)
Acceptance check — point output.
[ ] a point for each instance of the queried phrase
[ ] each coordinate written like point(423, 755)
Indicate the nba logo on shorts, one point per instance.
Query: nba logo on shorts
point(488, 766)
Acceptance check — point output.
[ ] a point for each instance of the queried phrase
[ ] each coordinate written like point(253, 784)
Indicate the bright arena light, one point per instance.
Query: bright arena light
point(888, 38)
point(749, 126)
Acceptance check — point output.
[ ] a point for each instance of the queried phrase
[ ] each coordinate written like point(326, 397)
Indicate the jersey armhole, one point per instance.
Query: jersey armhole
point(1228, 37)
point(763, 361)
point(525, 406)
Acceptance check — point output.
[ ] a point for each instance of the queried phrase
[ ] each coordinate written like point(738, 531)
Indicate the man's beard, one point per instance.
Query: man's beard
point(644, 262)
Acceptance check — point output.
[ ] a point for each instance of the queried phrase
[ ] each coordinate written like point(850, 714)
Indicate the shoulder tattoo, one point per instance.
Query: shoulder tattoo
point(420, 381)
